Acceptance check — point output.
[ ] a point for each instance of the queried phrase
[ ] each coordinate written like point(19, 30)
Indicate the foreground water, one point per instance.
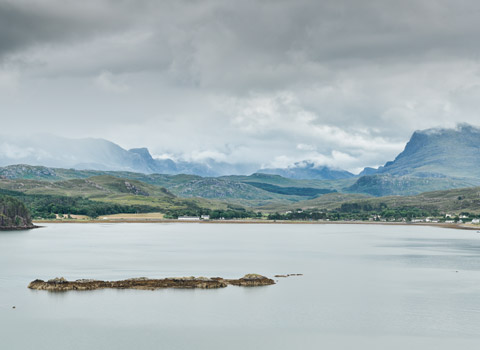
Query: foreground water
point(364, 287)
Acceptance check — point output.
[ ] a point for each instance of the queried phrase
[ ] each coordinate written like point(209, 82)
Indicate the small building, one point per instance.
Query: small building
point(417, 220)
point(449, 221)
point(205, 217)
point(189, 218)
point(476, 221)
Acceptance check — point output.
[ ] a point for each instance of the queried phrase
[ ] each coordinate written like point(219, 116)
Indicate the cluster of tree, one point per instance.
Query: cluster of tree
point(13, 213)
point(359, 207)
point(46, 206)
point(357, 211)
point(232, 212)
point(383, 210)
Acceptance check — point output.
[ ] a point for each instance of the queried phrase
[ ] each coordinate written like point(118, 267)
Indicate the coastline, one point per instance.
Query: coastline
point(264, 222)
point(18, 228)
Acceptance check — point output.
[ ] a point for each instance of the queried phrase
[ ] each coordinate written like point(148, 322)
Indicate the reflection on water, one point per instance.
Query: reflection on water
point(364, 287)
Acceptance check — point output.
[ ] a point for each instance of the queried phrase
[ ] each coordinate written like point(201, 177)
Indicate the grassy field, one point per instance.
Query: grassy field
point(143, 216)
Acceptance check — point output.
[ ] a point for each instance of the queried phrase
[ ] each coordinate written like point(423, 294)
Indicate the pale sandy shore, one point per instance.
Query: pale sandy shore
point(265, 222)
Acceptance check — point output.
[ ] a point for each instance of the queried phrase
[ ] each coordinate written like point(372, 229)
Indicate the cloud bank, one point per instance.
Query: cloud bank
point(341, 83)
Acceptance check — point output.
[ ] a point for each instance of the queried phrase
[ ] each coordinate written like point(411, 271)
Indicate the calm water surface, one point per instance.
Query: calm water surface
point(364, 287)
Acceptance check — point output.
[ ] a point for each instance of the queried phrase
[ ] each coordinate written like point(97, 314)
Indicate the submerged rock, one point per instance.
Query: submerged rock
point(61, 284)
point(288, 275)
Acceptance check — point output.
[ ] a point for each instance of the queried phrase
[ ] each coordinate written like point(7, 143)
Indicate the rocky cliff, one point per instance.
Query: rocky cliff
point(13, 214)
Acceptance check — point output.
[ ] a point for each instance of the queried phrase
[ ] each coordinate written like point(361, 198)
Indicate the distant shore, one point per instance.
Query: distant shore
point(266, 222)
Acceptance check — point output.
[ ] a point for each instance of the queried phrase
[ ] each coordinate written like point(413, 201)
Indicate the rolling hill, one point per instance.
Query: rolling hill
point(249, 190)
point(342, 206)
point(309, 171)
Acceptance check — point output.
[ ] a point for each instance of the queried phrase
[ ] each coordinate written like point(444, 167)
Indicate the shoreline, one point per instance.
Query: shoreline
point(263, 222)
point(19, 228)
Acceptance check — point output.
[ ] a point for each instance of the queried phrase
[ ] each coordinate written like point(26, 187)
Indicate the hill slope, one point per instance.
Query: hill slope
point(308, 170)
point(437, 203)
point(257, 187)
point(99, 195)
point(387, 185)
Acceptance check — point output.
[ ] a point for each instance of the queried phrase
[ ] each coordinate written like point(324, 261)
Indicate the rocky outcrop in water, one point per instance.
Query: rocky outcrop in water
point(251, 280)
point(61, 284)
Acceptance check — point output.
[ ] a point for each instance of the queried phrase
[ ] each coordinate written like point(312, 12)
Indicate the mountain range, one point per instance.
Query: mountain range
point(432, 159)
point(100, 154)
point(309, 170)
point(438, 153)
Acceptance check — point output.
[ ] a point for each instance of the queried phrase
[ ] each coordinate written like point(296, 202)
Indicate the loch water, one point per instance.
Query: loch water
point(363, 287)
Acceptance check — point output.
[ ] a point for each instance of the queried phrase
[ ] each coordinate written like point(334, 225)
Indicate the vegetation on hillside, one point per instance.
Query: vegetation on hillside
point(435, 204)
point(388, 185)
point(13, 213)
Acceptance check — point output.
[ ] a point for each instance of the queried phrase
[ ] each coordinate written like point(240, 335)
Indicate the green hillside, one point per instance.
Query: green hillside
point(256, 189)
point(362, 207)
point(105, 194)
point(386, 184)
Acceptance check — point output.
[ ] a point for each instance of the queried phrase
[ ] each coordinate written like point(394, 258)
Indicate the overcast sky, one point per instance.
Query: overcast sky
point(343, 83)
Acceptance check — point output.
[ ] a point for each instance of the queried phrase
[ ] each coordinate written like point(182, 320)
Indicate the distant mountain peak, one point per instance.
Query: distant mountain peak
point(438, 152)
point(101, 154)
point(307, 169)
point(459, 128)
point(143, 152)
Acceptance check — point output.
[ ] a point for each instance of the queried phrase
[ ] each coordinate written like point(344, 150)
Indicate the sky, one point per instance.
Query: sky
point(341, 83)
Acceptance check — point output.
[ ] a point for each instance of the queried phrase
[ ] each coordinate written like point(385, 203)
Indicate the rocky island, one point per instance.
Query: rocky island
point(61, 284)
point(14, 215)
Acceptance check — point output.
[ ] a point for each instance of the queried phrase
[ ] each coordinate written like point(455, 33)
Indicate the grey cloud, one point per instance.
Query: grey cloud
point(242, 79)
point(250, 44)
point(26, 24)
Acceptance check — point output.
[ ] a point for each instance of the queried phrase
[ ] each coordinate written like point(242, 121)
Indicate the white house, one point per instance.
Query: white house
point(205, 217)
point(476, 221)
point(189, 218)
